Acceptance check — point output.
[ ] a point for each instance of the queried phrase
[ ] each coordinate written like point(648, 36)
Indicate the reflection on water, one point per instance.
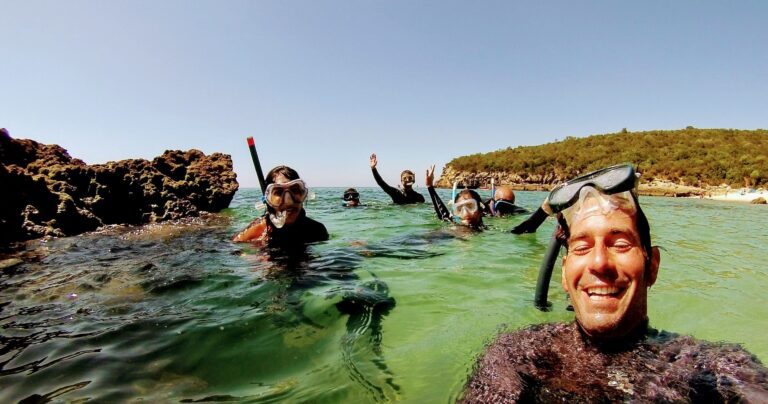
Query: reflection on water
point(395, 307)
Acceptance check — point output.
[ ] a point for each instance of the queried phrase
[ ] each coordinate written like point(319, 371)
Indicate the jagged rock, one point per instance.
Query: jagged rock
point(49, 193)
point(758, 201)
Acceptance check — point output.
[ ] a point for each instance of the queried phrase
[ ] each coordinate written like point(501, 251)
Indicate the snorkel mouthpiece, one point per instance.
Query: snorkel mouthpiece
point(278, 218)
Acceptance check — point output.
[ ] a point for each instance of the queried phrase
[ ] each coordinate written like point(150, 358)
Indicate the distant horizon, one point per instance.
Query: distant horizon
point(394, 175)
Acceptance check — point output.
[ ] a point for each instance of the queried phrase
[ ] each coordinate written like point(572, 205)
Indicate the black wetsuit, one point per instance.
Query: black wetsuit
point(303, 230)
point(442, 212)
point(399, 197)
point(503, 209)
point(558, 363)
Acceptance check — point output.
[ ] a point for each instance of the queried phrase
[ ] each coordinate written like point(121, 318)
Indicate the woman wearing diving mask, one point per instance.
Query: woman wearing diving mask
point(467, 206)
point(285, 221)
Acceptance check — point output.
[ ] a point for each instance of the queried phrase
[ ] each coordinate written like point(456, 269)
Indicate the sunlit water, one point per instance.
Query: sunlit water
point(396, 306)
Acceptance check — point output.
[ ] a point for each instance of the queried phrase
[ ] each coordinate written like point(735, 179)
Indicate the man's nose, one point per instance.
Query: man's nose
point(600, 258)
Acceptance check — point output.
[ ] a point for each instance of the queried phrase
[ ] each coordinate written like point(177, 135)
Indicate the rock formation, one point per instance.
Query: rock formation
point(483, 179)
point(48, 193)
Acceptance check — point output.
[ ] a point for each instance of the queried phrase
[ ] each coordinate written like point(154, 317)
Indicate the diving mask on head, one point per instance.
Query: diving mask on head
point(275, 195)
point(611, 180)
point(465, 207)
point(593, 202)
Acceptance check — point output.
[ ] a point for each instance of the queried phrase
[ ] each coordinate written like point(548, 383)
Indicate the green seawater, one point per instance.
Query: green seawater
point(396, 306)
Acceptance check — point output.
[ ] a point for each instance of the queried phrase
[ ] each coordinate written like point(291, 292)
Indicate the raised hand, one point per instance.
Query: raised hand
point(373, 160)
point(430, 175)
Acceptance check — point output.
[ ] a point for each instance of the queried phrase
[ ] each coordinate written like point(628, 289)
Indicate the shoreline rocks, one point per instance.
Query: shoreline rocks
point(523, 182)
point(49, 193)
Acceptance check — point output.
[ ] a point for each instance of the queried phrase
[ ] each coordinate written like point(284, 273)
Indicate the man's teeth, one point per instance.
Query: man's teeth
point(603, 291)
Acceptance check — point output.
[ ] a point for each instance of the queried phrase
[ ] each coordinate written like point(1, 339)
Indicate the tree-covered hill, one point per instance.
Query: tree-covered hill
point(698, 157)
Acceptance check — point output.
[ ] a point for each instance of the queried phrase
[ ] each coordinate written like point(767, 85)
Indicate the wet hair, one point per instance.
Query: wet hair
point(287, 172)
point(641, 221)
point(407, 172)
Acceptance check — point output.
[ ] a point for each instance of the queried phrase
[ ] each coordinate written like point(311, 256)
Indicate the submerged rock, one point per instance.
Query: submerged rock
point(758, 201)
point(49, 193)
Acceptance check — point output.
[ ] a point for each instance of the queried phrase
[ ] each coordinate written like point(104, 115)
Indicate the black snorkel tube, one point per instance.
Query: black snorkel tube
point(548, 264)
point(256, 164)
point(545, 273)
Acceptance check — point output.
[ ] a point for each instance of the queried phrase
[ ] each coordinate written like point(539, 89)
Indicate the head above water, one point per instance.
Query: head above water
point(285, 194)
point(407, 178)
point(504, 193)
point(468, 208)
point(351, 197)
point(609, 264)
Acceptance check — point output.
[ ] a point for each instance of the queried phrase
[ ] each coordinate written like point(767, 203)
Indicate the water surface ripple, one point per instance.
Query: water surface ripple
point(395, 307)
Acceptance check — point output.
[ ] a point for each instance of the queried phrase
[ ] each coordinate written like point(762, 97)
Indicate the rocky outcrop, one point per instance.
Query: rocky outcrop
point(534, 182)
point(466, 179)
point(48, 193)
point(758, 201)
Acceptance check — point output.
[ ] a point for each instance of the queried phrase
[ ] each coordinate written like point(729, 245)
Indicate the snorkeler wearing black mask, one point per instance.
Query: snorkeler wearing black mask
point(351, 198)
point(399, 197)
point(503, 203)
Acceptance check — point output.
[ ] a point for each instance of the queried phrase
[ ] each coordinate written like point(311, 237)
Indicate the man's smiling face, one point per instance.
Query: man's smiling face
point(607, 274)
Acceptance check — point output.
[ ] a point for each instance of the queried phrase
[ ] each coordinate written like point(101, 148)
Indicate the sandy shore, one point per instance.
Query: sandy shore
point(737, 196)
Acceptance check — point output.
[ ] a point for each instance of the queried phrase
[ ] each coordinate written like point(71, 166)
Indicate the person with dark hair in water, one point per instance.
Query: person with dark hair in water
point(503, 203)
point(467, 206)
point(400, 197)
point(609, 354)
point(285, 223)
point(351, 198)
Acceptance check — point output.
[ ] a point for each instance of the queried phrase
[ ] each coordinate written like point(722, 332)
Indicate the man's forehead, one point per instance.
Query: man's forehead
point(616, 221)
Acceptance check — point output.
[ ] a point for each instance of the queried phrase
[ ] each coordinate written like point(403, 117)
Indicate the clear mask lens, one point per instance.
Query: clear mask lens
point(276, 194)
point(593, 202)
point(351, 196)
point(465, 207)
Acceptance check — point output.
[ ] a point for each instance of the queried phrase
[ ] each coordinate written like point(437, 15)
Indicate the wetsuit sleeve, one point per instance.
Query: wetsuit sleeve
point(442, 212)
point(532, 223)
point(393, 193)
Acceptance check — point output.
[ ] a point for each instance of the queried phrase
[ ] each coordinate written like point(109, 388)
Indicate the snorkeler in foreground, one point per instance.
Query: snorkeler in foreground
point(610, 354)
point(467, 207)
point(407, 178)
point(285, 222)
point(503, 203)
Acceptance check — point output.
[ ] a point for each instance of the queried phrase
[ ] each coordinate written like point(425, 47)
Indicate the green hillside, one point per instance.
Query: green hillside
point(691, 156)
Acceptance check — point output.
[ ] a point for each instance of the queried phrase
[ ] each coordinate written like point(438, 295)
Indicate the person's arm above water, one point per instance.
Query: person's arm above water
point(255, 231)
point(535, 220)
point(442, 212)
point(393, 192)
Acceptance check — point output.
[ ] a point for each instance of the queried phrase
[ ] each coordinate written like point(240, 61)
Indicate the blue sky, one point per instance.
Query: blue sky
point(322, 84)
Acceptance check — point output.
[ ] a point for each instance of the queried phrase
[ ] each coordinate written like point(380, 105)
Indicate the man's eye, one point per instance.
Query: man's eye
point(580, 248)
point(622, 245)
